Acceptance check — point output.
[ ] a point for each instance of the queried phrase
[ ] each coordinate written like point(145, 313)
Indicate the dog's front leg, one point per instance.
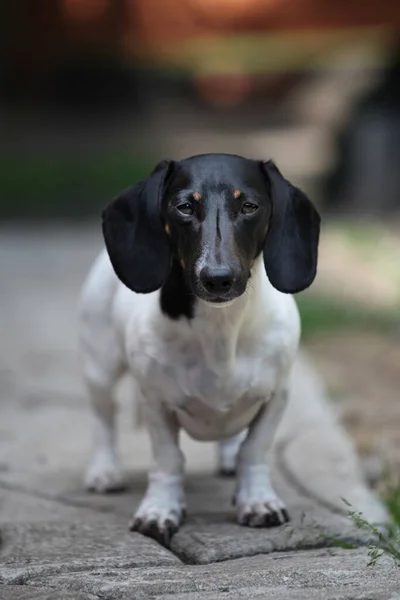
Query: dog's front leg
point(163, 507)
point(257, 503)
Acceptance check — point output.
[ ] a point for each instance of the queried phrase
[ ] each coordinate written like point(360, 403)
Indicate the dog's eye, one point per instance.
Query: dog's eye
point(248, 208)
point(185, 208)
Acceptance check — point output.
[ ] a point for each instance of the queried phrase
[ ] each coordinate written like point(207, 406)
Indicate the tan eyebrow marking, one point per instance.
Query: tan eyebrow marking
point(183, 264)
point(196, 196)
point(167, 229)
point(236, 193)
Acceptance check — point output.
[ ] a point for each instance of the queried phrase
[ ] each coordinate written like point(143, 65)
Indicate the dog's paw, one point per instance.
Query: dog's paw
point(159, 523)
point(262, 512)
point(256, 502)
point(161, 511)
point(104, 475)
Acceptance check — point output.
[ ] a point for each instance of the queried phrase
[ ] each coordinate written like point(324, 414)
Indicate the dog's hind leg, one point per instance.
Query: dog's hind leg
point(102, 364)
point(103, 473)
point(228, 452)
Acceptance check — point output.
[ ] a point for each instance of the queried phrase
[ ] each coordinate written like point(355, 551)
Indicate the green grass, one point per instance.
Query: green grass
point(381, 541)
point(44, 186)
point(320, 314)
point(361, 234)
point(391, 498)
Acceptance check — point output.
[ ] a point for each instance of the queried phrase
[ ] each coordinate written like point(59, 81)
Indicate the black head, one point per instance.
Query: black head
point(199, 224)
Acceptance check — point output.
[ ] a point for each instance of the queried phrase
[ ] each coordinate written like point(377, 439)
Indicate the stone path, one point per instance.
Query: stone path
point(57, 541)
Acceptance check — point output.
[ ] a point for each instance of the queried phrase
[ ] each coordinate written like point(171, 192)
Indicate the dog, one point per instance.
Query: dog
point(192, 296)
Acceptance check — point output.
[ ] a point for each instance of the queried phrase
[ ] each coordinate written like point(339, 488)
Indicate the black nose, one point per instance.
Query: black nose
point(217, 280)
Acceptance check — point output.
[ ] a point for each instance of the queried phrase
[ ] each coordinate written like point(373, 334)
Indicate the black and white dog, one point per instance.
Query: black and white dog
point(193, 298)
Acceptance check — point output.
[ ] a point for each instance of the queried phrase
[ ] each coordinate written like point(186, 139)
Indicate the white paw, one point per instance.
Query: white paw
point(227, 454)
point(162, 510)
point(104, 475)
point(256, 501)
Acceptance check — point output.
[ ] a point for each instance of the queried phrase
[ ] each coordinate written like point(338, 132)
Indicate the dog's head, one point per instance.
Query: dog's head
point(211, 216)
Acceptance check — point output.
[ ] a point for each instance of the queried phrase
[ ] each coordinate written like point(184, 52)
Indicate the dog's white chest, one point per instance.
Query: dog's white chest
point(214, 390)
point(217, 370)
point(205, 422)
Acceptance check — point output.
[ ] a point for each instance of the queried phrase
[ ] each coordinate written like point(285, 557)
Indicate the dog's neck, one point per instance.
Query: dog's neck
point(219, 329)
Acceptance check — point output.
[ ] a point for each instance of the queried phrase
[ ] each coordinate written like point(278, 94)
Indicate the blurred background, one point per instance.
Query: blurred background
point(94, 92)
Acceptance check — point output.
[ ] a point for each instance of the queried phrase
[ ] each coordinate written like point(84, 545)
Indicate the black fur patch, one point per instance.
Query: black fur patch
point(176, 299)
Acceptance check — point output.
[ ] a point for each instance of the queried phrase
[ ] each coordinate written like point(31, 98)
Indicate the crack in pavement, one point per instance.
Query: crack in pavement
point(56, 499)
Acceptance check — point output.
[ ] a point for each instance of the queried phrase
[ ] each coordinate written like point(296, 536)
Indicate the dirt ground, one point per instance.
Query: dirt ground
point(362, 371)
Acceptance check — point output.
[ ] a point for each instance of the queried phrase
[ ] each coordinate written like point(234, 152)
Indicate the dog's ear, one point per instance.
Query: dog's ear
point(291, 247)
point(134, 235)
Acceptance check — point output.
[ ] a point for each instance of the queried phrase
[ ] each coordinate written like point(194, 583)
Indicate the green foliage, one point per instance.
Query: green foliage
point(320, 314)
point(381, 542)
point(391, 499)
point(73, 185)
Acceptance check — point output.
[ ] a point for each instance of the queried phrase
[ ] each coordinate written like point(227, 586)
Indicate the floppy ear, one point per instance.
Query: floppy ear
point(133, 232)
point(291, 247)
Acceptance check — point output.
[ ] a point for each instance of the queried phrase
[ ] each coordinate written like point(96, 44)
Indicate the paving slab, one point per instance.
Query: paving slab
point(24, 592)
point(325, 574)
point(53, 537)
point(51, 547)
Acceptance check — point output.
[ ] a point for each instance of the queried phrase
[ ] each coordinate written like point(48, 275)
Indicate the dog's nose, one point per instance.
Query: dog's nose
point(217, 280)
